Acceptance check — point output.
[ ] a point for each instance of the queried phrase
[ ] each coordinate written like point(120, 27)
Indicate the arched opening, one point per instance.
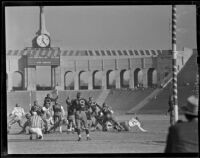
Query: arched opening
point(138, 77)
point(17, 80)
point(83, 80)
point(69, 81)
point(124, 79)
point(152, 77)
point(110, 78)
point(97, 79)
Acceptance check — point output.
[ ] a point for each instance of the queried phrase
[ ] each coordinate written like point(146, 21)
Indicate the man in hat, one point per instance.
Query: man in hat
point(183, 136)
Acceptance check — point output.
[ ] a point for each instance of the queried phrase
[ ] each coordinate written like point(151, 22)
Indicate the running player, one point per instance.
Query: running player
point(58, 116)
point(80, 116)
point(108, 116)
point(16, 116)
point(70, 115)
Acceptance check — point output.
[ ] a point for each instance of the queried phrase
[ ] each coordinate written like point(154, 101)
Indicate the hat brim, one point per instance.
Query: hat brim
point(185, 111)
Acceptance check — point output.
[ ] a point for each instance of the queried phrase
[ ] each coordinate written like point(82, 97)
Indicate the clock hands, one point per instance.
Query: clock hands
point(43, 42)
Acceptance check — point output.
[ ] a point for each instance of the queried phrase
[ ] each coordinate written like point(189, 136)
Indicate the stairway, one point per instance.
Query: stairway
point(165, 82)
point(102, 97)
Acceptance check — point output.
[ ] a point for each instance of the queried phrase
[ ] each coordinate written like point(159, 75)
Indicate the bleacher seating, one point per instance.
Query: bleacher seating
point(123, 100)
point(186, 83)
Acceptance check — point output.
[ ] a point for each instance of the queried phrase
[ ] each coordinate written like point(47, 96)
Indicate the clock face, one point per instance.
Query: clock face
point(43, 41)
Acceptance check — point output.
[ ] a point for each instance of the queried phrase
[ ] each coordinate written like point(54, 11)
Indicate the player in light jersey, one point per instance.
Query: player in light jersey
point(49, 122)
point(36, 126)
point(135, 122)
point(16, 116)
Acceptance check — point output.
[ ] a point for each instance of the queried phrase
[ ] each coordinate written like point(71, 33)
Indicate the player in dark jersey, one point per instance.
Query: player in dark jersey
point(48, 99)
point(108, 116)
point(58, 114)
point(93, 113)
point(70, 115)
point(80, 115)
point(37, 108)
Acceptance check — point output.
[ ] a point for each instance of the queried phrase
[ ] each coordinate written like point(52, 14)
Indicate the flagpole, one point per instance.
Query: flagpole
point(174, 63)
point(30, 95)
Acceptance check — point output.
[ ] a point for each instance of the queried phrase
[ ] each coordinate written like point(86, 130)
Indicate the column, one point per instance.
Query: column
point(53, 77)
point(34, 78)
point(145, 84)
point(25, 77)
point(10, 82)
point(90, 80)
point(118, 79)
point(60, 76)
point(76, 80)
point(131, 79)
point(104, 80)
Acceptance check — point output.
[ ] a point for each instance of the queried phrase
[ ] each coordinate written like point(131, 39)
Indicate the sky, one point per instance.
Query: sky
point(102, 27)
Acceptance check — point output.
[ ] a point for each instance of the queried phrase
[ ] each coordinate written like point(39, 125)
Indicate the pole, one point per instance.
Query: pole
point(30, 95)
point(174, 64)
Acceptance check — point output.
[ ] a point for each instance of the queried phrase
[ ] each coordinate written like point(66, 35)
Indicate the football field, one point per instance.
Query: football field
point(134, 141)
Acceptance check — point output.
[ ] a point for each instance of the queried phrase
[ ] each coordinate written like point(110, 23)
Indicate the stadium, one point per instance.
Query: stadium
point(133, 82)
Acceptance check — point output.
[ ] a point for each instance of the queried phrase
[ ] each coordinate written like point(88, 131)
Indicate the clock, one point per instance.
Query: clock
point(43, 40)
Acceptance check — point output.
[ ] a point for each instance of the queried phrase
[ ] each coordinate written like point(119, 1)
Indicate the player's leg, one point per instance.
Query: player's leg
point(31, 132)
point(139, 126)
point(25, 125)
point(12, 121)
point(39, 133)
point(78, 128)
point(85, 123)
point(20, 122)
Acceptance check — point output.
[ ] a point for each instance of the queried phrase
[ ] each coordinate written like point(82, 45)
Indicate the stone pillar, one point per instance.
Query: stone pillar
point(131, 79)
point(34, 78)
point(10, 82)
point(104, 80)
point(25, 77)
point(53, 77)
point(90, 80)
point(118, 79)
point(60, 75)
point(145, 79)
point(76, 80)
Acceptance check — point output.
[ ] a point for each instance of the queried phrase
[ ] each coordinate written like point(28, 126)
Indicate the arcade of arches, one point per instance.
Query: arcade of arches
point(107, 79)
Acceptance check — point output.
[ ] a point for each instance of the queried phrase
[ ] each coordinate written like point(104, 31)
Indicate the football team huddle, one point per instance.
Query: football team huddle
point(81, 115)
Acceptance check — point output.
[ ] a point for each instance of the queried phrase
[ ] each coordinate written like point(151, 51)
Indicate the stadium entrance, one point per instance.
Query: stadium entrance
point(40, 69)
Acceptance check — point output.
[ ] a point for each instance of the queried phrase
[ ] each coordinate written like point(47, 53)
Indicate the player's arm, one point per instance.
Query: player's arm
point(99, 107)
point(23, 113)
point(63, 111)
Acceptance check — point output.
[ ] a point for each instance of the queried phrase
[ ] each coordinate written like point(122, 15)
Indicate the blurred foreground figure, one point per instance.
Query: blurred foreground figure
point(183, 136)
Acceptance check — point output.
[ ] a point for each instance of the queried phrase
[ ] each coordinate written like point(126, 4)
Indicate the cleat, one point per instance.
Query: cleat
point(79, 139)
point(88, 138)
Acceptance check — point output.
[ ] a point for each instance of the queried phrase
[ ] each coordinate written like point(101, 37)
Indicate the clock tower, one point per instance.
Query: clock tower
point(42, 39)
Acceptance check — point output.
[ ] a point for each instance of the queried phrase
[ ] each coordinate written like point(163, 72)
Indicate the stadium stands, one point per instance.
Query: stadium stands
point(186, 83)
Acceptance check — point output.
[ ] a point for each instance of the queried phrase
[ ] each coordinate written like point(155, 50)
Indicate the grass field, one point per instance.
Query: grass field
point(134, 141)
